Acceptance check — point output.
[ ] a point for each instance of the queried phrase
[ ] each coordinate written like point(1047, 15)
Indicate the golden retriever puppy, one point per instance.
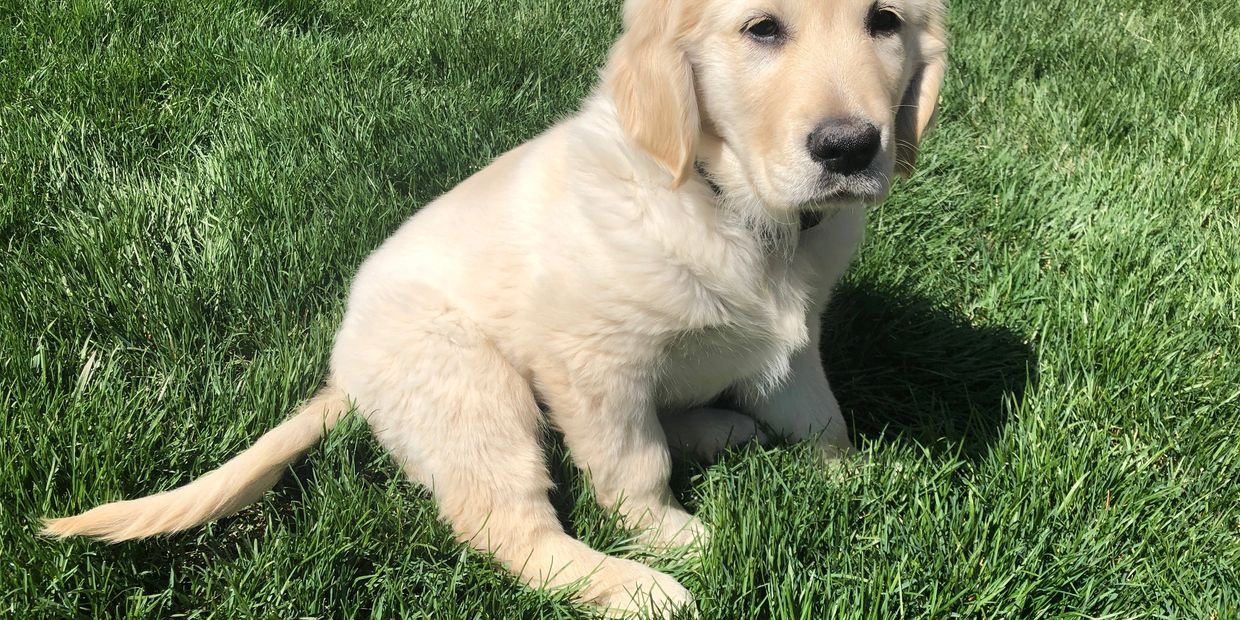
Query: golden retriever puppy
point(676, 238)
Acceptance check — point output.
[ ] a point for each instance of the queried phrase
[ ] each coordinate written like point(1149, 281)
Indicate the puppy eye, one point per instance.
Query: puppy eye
point(764, 29)
point(883, 22)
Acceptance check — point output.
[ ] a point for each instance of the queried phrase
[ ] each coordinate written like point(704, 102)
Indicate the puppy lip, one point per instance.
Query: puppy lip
point(839, 197)
point(866, 186)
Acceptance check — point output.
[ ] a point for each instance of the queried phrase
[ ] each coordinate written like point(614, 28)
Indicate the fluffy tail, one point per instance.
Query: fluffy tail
point(218, 493)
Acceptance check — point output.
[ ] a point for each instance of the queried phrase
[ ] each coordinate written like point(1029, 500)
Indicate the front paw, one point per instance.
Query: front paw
point(835, 451)
point(836, 456)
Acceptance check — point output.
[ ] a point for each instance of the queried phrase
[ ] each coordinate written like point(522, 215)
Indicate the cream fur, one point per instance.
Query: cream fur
point(592, 270)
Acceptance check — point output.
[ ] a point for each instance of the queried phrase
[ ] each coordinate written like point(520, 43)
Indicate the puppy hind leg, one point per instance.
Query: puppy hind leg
point(613, 433)
point(464, 422)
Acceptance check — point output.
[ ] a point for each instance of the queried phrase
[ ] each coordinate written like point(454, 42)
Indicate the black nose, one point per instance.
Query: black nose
point(844, 145)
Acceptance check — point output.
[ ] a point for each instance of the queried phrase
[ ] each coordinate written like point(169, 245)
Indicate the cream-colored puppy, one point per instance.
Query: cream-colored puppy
point(675, 239)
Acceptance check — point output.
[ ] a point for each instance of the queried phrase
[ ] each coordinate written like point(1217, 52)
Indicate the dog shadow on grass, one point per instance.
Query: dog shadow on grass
point(904, 369)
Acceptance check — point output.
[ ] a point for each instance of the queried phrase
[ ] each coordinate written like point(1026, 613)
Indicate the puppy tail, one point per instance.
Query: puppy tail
point(218, 493)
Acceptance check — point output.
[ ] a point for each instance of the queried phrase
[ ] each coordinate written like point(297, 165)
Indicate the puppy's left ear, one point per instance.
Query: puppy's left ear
point(650, 80)
point(919, 106)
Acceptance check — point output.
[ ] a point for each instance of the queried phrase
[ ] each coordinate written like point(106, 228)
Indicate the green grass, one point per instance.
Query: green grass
point(1040, 343)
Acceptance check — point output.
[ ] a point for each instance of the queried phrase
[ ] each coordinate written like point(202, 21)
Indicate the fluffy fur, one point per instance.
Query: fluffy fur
point(596, 271)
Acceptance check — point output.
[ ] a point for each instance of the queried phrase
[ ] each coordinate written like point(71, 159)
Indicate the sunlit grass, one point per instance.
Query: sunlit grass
point(1040, 344)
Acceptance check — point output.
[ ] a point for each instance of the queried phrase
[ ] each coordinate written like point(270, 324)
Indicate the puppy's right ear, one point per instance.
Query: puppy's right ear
point(650, 80)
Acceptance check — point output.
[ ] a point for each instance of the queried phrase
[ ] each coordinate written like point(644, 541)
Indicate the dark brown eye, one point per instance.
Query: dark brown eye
point(764, 29)
point(883, 22)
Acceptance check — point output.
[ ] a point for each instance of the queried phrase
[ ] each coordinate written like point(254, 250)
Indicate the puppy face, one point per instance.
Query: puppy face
point(804, 102)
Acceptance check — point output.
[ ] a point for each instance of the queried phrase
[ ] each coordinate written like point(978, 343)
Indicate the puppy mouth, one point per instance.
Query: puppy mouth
point(867, 186)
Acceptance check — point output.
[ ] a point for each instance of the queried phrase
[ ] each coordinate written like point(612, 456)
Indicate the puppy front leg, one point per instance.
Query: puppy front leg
point(613, 433)
point(803, 407)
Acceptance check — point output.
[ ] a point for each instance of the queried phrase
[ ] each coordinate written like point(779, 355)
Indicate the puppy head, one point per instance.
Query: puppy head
point(797, 103)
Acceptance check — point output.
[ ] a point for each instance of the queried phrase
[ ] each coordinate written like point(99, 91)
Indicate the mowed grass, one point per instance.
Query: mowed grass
point(1039, 346)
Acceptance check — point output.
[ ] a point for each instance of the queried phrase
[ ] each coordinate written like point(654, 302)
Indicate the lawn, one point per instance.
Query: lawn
point(1039, 345)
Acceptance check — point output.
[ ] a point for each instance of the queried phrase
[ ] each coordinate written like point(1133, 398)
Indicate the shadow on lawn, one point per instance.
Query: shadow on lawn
point(905, 369)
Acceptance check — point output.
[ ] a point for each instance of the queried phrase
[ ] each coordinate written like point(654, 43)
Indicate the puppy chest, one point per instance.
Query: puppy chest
point(700, 364)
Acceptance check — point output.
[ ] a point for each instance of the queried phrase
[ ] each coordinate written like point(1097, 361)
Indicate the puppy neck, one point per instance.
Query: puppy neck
point(720, 168)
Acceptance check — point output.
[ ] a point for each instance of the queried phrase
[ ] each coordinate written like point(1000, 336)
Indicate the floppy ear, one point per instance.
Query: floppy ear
point(650, 80)
point(919, 106)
